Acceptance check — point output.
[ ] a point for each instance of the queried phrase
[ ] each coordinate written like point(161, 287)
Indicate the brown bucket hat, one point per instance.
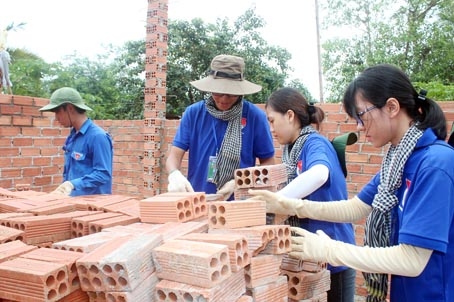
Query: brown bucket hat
point(226, 75)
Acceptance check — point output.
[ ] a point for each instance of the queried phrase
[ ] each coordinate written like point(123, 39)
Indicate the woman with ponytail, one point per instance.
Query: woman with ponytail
point(314, 172)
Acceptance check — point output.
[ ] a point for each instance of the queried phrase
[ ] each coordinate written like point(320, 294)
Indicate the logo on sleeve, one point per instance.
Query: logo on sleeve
point(299, 167)
point(404, 196)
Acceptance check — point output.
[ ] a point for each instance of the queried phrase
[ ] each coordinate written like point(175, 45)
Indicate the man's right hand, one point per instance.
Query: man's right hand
point(65, 188)
point(178, 183)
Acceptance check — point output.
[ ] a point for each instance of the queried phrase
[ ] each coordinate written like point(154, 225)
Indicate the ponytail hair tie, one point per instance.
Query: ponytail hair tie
point(310, 108)
point(422, 95)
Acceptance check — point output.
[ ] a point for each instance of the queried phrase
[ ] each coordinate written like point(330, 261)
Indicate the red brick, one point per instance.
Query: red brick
point(22, 100)
point(10, 131)
point(26, 141)
point(5, 120)
point(22, 121)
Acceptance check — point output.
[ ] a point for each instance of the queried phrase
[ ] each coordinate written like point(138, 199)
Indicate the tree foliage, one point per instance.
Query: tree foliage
point(27, 72)
point(193, 44)
point(113, 84)
point(417, 37)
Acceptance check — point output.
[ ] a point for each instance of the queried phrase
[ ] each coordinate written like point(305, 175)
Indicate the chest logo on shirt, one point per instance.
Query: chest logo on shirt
point(404, 196)
point(77, 155)
point(299, 167)
point(243, 122)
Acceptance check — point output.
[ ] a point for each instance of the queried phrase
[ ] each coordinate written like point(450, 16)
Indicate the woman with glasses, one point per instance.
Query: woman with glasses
point(409, 204)
point(314, 172)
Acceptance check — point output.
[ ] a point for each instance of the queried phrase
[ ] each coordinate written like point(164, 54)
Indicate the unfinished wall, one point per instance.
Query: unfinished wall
point(31, 141)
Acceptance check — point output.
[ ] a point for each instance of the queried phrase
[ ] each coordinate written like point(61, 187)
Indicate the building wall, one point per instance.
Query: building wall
point(31, 153)
point(31, 141)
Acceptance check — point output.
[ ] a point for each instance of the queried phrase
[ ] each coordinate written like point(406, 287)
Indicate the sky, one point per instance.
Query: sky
point(55, 28)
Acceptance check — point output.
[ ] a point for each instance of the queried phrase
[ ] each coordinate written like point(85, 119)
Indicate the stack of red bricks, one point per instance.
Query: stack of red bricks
point(170, 247)
point(268, 177)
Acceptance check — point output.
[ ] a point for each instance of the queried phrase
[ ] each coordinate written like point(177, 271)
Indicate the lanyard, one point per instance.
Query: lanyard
point(215, 137)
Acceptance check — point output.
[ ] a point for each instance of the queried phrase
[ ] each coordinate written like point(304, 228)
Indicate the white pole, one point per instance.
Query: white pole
point(320, 72)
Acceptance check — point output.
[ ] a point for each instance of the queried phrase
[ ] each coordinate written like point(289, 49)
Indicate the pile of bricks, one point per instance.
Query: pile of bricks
point(170, 247)
point(268, 177)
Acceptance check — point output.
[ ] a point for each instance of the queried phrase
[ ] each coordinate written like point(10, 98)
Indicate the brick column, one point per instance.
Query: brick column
point(155, 95)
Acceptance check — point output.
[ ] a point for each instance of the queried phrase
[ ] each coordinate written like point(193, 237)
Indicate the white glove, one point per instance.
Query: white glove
point(227, 189)
point(178, 183)
point(276, 203)
point(310, 246)
point(334, 211)
point(65, 188)
point(402, 259)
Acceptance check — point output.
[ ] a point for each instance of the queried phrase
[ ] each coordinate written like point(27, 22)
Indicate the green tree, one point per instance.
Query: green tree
point(93, 79)
point(417, 37)
point(128, 72)
point(192, 45)
point(113, 83)
point(26, 72)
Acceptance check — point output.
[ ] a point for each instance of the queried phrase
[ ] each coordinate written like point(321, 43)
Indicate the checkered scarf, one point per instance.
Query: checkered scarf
point(228, 159)
point(291, 154)
point(290, 157)
point(378, 223)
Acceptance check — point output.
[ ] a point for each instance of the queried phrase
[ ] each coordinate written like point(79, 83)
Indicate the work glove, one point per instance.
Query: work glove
point(310, 246)
point(178, 183)
point(334, 211)
point(227, 189)
point(402, 259)
point(65, 188)
point(278, 204)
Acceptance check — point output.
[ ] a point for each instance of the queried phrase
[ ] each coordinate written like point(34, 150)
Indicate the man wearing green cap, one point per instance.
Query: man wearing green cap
point(88, 148)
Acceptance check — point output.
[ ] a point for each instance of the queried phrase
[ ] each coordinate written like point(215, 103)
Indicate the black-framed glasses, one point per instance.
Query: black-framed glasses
point(359, 121)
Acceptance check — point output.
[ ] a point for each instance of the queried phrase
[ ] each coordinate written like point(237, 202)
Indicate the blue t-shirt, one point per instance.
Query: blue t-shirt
point(202, 134)
point(424, 218)
point(319, 150)
point(88, 160)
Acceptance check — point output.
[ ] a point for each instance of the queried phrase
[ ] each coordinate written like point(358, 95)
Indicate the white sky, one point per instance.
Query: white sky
point(55, 28)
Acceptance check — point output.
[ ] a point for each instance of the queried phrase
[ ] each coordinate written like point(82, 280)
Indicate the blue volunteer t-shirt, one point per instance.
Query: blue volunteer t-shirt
point(318, 150)
point(424, 218)
point(202, 134)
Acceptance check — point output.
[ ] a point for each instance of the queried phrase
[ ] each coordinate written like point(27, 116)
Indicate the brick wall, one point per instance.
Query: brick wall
point(30, 151)
point(30, 147)
point(31, 141)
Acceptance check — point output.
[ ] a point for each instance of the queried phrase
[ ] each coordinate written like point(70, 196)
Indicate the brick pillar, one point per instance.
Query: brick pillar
point(155, 95)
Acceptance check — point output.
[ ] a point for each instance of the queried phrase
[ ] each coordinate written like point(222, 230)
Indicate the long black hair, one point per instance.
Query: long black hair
point(379, 83)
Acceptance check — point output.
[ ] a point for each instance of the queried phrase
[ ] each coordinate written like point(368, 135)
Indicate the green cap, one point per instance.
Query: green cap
point(65, 95)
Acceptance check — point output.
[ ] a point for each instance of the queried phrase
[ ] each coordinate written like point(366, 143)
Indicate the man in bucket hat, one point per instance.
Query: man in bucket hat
point(88, 148)
point(222, 133)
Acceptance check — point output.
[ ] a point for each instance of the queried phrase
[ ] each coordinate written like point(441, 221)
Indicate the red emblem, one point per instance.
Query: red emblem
point(243, 122)
point(299, 167)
